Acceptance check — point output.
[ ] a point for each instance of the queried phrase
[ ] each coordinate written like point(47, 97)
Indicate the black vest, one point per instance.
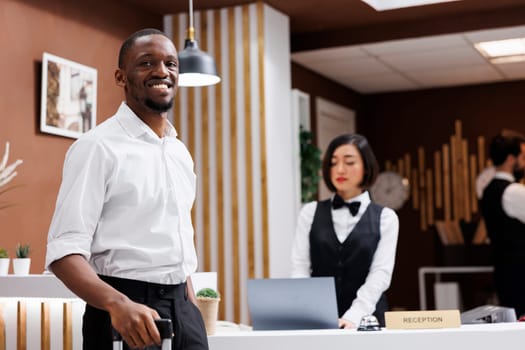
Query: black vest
point(507, 235)
point(348, 262)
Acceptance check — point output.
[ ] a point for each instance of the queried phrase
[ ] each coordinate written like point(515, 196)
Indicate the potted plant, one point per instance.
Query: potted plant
point(4, 262)
point(310, 166)
point(22, 262)
point(208, 304)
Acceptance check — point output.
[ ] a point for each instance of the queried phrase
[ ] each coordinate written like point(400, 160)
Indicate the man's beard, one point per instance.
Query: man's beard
point(518, 172)
point(159, 107)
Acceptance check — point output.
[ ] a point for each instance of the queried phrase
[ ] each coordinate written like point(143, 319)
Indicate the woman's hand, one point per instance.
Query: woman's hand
point(345, 324)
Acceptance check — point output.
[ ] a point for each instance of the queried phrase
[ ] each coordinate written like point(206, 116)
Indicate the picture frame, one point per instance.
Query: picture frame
point(68, 98)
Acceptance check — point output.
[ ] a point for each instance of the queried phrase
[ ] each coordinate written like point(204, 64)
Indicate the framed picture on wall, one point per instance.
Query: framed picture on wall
point(69, 97)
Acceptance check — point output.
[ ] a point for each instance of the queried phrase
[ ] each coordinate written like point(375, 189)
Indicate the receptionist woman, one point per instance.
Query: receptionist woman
point(348, 236)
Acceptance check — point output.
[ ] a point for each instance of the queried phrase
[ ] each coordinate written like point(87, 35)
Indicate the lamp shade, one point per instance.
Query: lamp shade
point(196, 68)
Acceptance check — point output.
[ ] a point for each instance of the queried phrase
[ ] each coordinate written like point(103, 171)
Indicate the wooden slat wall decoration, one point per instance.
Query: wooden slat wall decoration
point(473, 175)
point(21, 326)
point(465, 181)
point(401, 167)
point(430, 197)
point(450, 185)
point(224, 127)
point(454, 171)
point(262, 136)
point(415, 189)
point(67, 326)
point(248, 117)
point(481, 153)
point(408, 166)
point(438, 180)
point(221, 269)
point(447, 205)
point(233, 165)
point(206, 234)
point(45, 326)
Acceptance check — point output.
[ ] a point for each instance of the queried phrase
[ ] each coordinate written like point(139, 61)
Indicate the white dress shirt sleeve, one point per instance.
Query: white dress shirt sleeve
point(301, 266)
point(380, 274)
point(79, 202)
point(513, 201)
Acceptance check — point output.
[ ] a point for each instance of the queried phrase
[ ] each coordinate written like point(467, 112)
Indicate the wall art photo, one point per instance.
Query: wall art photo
point(69, 97)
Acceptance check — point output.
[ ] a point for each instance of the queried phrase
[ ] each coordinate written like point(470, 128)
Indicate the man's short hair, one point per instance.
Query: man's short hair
point(503, 146)
point(128, 43)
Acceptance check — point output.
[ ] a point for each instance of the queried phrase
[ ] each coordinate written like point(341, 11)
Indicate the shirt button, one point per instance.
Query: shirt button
point(162, 291)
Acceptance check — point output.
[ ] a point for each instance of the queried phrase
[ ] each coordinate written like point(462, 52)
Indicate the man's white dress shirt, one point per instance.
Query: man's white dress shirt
point(125, 202)
point(380, 275)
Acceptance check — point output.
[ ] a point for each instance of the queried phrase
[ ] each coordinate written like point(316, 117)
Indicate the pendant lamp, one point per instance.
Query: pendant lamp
point(196, 67)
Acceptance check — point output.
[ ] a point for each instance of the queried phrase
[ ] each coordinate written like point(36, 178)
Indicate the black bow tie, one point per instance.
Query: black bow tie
point(339, 202)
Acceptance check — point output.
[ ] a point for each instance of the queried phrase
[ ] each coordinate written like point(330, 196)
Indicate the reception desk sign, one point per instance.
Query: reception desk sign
point(422, 319)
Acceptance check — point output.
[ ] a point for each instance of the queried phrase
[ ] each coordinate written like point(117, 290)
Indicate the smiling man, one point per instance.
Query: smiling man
point(121, 237)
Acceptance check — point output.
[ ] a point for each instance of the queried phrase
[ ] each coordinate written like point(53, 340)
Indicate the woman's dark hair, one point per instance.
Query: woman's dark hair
point(371, 168)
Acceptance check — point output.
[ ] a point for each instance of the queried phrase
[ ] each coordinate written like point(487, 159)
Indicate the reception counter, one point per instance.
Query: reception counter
point(478, 337)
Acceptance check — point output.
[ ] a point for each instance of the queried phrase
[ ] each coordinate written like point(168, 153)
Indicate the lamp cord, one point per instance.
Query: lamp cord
point(191, 13)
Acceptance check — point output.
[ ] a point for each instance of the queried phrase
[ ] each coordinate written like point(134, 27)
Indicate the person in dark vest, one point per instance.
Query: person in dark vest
point(503, 209)
point(348, 236)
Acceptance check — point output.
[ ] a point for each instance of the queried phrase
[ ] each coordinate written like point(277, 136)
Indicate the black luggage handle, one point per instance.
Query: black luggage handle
point(164, 326)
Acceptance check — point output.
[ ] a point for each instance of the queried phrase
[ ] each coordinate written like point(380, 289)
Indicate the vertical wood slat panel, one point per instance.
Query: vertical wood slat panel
point(67, 325)
point(430, 197)
point(408, 166)
point(2, 328)
point(205, 144)
point(401, 167)
point(45, 326)
point(248, 140)
point(446, 183)
point(21, 326)
point(234, 156)
point(465, 181)
point(438, 180)
point(262, 128)
point(453, 177)
point(177, 101)
point(473, 175)
point(415, 189)
point(219, 161)
point(481, 153)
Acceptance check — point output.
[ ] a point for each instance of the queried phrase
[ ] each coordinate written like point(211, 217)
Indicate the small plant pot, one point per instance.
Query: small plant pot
point(209, 308)
point(4, 266)
point(21, 266)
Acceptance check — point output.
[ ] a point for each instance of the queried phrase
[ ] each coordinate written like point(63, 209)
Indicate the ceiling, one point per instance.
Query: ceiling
point(370, 52)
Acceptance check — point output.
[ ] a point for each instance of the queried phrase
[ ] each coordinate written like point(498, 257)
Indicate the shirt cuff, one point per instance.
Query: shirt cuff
point(67, 244)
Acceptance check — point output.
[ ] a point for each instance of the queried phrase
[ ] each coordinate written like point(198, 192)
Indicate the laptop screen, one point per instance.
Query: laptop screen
point(293, 303)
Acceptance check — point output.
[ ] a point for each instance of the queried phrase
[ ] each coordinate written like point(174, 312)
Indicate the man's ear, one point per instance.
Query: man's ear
point(120, 77)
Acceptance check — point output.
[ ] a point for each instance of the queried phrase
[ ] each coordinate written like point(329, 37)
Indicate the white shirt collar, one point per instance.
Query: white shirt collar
point(135, 127)
point(503, 175)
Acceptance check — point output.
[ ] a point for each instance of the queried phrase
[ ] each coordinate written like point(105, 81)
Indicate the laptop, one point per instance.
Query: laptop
point(293, 303)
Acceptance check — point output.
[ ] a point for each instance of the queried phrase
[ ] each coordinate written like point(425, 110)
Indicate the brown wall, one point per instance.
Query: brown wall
point(87, 32)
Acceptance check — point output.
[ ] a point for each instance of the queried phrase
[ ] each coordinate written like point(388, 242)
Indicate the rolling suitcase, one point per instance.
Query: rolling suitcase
point(166, 332)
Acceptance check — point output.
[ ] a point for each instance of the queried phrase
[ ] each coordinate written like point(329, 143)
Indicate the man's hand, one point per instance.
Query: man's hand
point(135, 323)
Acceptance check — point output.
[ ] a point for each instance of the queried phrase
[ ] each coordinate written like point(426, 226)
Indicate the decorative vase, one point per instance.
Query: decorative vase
point(209, 308)
point(4, 266)
point(21, 266)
